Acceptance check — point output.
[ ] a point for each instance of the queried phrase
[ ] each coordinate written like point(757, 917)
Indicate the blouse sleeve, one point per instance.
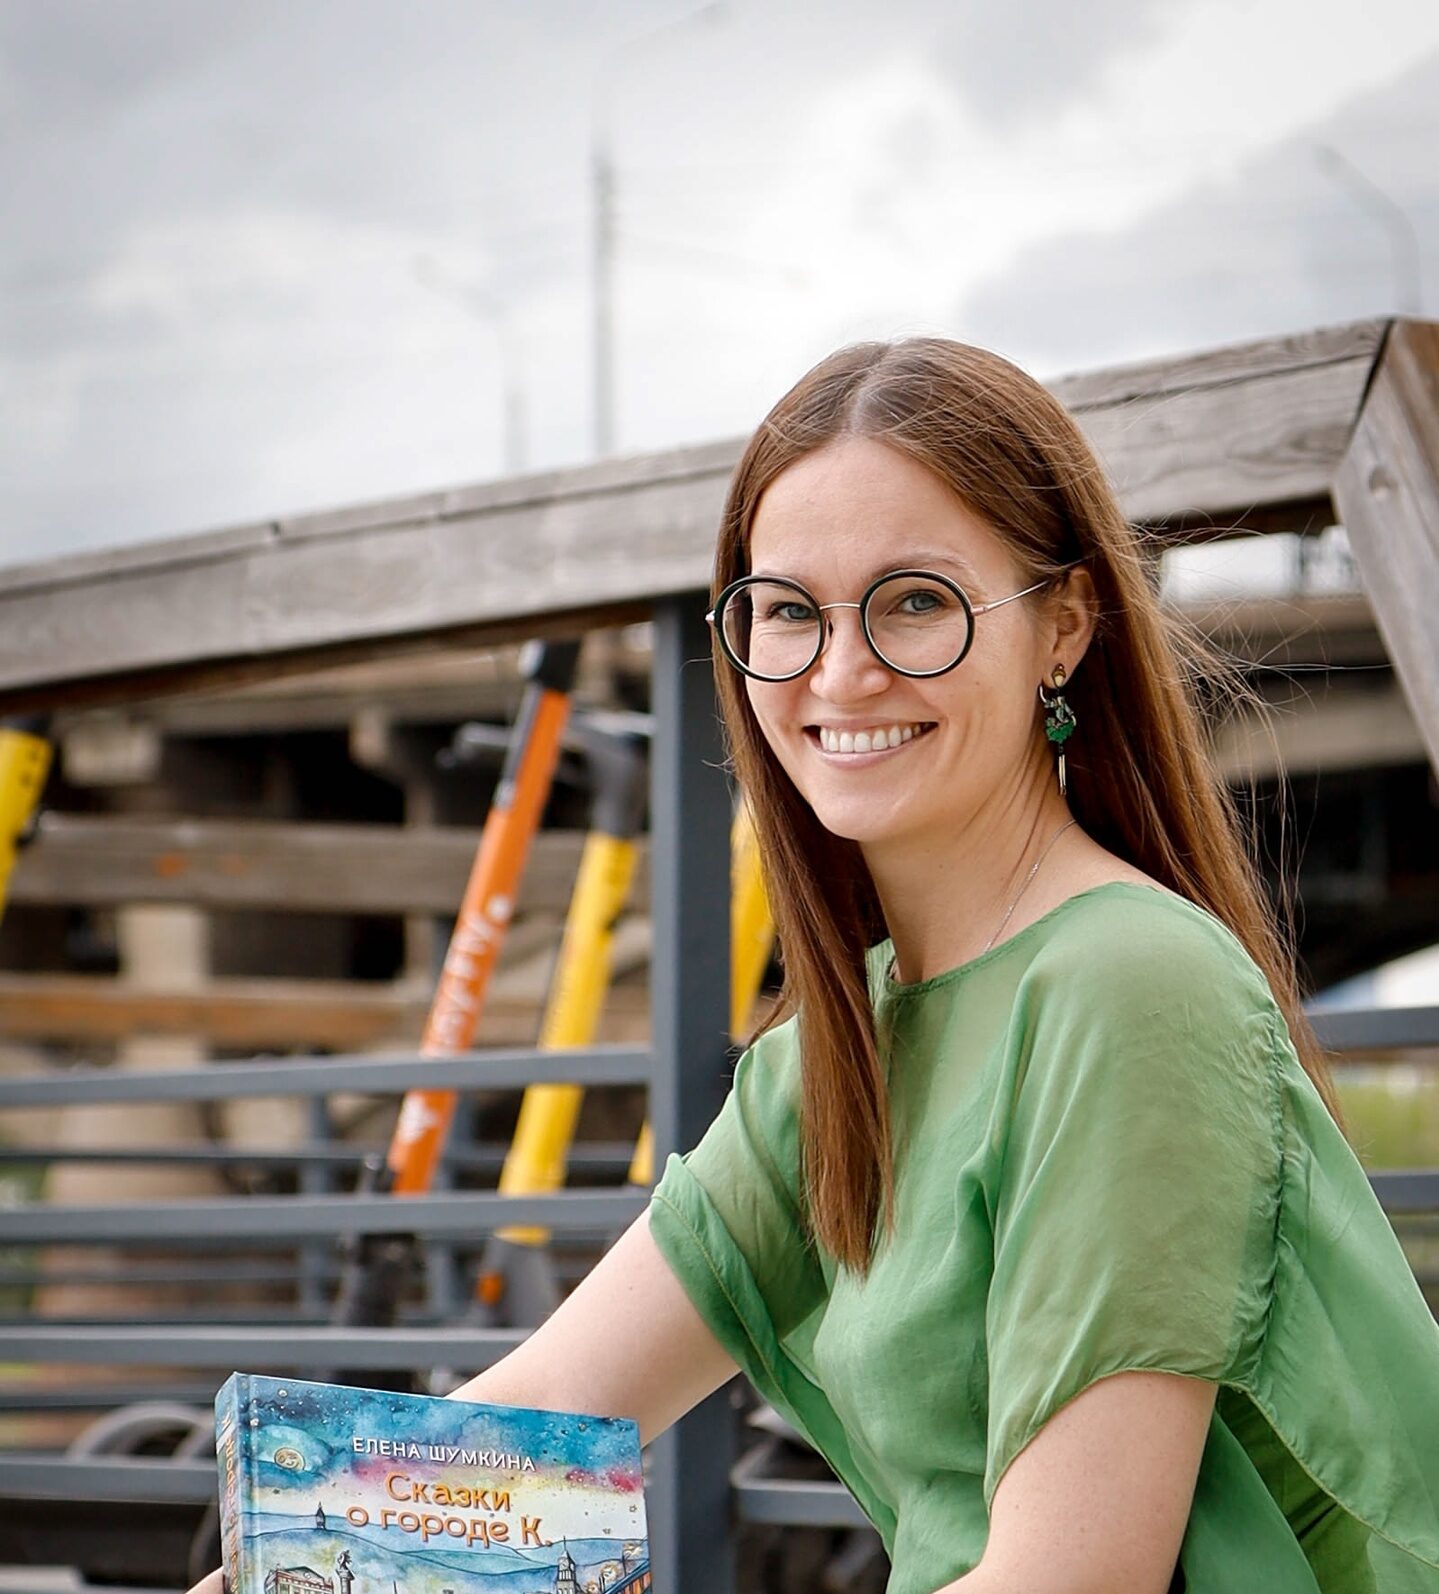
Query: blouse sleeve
point(1137, 1196)
point(727, 1217)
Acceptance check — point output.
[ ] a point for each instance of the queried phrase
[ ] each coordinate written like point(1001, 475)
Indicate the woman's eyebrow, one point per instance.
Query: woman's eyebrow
point(923, 559)
point(932, 557)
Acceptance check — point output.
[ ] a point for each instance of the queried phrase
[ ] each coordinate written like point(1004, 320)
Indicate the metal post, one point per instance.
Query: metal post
point(603, 308)
point(316, 1179)
point(690, 1510)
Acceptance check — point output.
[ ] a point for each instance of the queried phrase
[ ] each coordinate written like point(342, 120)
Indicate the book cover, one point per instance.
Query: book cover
point(326, 1489)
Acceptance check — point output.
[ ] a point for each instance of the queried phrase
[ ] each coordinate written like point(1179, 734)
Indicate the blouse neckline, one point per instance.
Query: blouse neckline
point(894, 989)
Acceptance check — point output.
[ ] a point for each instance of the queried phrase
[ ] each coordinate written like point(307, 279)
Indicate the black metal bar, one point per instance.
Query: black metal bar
point(689, 1507)
point(790, 1502)
point(588, 1158)
point(315, 1179)
point(800, 1505)
point(1407, 1189)
point(41, 1475)
point(250, 1314)
point(65, 1580)
point(570, 1266)
point(1359, 1029)
point(271, 1220)
point(105, 1397)
point(315, 1076)
point(258, 1347)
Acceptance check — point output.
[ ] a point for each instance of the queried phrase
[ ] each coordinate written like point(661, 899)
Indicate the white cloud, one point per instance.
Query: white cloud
point(211, 309)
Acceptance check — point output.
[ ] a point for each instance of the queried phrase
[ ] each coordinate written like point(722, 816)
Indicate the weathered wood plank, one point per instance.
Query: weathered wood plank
point(1115, 384)
point(252, 864)
point(1278, 633)
point(1387, 493)
point(437, 687)
point(446, 687)
point(1329, 730)
point(250, 1014)
point(601, 542)
point(1220, 450)
point(249, 864)
point(258, 1014)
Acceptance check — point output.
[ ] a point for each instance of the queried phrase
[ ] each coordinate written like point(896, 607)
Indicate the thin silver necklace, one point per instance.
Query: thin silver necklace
point(894, 962)
point(1030, 876)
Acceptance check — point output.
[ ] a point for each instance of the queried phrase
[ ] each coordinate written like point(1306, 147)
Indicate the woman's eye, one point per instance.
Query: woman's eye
point(920, 603)
point(789, 613)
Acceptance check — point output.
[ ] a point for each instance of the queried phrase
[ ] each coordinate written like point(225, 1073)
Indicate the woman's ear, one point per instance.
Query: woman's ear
point(1074, 612)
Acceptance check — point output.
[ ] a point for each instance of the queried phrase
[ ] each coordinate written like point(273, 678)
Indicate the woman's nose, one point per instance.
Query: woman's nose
point(847, 666)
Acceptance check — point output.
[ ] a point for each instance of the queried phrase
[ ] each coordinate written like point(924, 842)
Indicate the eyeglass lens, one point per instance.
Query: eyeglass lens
point(914, 623)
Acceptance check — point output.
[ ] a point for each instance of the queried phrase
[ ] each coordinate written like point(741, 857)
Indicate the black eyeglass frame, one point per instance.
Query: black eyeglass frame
point(826, 629)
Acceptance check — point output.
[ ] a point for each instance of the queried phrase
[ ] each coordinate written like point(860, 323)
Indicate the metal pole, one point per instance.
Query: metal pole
point(1403, 239)
point(690, 1503)
point(604, 289)
point(602, 236)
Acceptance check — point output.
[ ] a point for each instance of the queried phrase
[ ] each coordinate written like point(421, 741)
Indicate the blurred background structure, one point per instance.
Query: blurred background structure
point(502, 285)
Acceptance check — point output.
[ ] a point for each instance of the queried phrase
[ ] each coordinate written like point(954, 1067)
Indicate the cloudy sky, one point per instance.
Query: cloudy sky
point(258, 256)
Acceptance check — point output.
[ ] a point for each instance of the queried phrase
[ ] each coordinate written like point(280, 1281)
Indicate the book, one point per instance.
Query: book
point(326, 1489)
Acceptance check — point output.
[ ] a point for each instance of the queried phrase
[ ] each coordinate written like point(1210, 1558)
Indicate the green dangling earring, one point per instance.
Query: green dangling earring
point(1059, 720)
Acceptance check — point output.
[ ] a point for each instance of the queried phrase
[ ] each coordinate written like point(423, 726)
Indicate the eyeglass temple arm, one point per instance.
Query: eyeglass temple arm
point(999, 603)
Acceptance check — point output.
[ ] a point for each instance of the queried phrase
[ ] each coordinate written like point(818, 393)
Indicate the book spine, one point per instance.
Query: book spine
point(232, 1451)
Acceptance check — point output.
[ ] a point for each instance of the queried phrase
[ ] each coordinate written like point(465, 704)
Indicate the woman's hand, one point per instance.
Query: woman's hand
point(212, 1584)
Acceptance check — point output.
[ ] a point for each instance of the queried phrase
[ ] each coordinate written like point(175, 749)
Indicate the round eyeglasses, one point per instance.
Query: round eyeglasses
point(917, 622)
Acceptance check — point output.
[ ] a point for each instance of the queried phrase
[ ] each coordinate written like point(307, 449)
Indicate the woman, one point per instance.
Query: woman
point(1033, 1213)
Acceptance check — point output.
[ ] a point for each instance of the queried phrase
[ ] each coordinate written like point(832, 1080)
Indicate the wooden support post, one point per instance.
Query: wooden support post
point(165, 946)
point(1387, 494)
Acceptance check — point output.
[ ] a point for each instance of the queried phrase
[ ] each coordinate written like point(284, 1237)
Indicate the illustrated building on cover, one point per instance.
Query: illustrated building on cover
point(331, 1490)
point(297, 1580)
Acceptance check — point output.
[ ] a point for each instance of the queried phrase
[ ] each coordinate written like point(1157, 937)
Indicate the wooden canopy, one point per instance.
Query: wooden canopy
point(1288, 433)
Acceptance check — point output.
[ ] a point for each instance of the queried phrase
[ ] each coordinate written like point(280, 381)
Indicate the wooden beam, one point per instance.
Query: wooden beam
point(242, 1013)
point(260, 864)
point(1387, 494)
point(1232, 432)
point(1272, 633)
point(1212, 436)
point(1222, 367)
point(449, 687)
point(257, 1014)
point(1324, 730)
point(435, 688)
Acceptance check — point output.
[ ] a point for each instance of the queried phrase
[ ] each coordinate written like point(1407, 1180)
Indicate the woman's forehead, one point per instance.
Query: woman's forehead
point(857, 506)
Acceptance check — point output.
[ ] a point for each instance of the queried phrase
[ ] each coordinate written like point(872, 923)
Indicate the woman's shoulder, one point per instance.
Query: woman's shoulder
point(767, 1073)
point(1132, 973)
point(1141, 944)
point(1142, 1001)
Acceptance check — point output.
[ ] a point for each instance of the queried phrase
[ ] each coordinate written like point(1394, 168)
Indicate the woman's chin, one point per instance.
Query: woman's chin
point(859, 823)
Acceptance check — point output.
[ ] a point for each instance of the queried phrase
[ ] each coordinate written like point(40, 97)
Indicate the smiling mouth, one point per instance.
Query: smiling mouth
point(873, 739)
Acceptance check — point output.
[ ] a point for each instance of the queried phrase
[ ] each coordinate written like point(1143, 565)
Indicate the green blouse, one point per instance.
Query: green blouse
point(1108, 1157)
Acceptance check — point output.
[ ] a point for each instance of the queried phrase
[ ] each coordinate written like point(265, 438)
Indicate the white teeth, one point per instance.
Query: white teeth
point(878, 739)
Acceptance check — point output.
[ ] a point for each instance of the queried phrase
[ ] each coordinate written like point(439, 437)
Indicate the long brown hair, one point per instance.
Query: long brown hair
point(1143, 783)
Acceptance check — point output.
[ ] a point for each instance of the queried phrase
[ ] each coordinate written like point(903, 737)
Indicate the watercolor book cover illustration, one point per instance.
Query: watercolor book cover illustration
point(330, 1490)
